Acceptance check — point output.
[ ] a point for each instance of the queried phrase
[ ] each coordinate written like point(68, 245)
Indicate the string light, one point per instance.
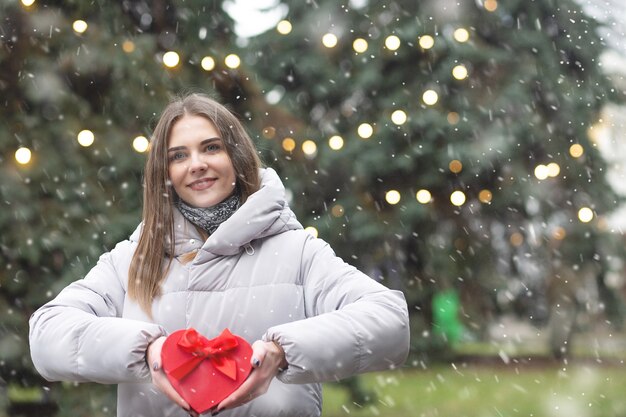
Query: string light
point(455, 166)
point(309, 148)
point(140, 144)
point(423, 196)
point(430, 97)
point(490, 5)
point(128, 46)
point(85, 138)
point(365, 130)
point(585, 215)
point(79, 26)
point(559, 233)
point(28, 3)
point(23, 155)
point(541, 172)
point(453, 118)
point(284, 27)
point(392, 197)
point(392, 42)
point(360, 45)
point(398, 117)
point(312, 230)
point(461, 35)
point(337, 210)
point(289, 144)
point(335, 142)
point(553, 169)
point(426, 42)
point(459, 72)
point(516, 239)
point(485, 196)
point(576, 150)
point(171, 59)
point(457, 198)
point(232, 61)
point(269, 132)
point(207, 63)
point(329, 40)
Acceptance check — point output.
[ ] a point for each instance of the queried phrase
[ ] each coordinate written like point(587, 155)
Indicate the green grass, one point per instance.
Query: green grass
point(470, 391)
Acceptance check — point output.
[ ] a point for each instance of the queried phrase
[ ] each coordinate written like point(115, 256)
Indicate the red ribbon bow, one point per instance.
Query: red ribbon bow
point(216, 350)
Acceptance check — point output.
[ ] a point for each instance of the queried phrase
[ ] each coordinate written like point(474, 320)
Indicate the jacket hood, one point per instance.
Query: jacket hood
point(265, 213)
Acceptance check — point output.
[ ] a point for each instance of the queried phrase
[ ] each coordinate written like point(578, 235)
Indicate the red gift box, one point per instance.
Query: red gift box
point(203, 371)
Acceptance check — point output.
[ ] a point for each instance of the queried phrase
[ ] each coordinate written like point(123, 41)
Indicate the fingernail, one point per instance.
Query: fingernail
point(256, 362)
point(155, 366)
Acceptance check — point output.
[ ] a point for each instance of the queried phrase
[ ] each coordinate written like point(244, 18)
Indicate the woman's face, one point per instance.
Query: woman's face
point(199, 167)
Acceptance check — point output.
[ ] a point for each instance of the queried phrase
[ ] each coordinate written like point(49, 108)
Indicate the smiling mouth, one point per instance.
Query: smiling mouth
point(202, 184)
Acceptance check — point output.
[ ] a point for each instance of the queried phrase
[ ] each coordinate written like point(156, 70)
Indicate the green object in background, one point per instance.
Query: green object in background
point(446, 315)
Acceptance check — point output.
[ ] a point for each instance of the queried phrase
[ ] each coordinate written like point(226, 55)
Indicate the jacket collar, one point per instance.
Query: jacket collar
point(265, 213)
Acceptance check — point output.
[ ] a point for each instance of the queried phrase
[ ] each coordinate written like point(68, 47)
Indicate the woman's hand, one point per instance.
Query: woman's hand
point(153, 356)
point(267, 358)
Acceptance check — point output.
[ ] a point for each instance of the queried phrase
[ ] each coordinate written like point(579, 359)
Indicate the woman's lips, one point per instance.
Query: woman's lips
point(202, 184)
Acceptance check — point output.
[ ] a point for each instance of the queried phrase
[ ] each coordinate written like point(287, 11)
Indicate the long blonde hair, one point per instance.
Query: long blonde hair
point(155, 249)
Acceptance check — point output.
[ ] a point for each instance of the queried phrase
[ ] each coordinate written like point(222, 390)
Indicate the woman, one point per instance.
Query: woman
point(218, 248)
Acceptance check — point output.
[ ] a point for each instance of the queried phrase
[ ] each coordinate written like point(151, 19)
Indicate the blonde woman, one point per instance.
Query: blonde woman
point(218, 248)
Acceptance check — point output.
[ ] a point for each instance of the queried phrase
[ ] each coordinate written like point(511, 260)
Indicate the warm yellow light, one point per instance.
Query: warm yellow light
point(365, 130)
point(23, 155)
point(490, 5)
point(85, 138)
point(392, 42)
point(309, 147)
point(516, 239)
point(541, 172)
point(329, 40)
point(269, 132)
point(284, 27)
point(457, 198)
point(140, 144)
point(359, 45)
point(485, 196)
point(335, 142)
point(28, 3)
point(392, 197)
point(455, 166)
point(553, 169)
point(423, 196)
point(207, 63)
point(398, 117)
point(171, 59)
point(461, 35)
point(576, 150)
point(337, 210)
point(426, 42)
point(453, 118)
point(289, 144)
point(459, 72)
point(79, 26)
point(585, 215)
point(312, 230)
point(430, 97)
point(128, 46)
point(232, 61)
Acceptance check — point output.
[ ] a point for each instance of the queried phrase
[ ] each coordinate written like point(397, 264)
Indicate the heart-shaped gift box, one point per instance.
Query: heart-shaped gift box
point(203, 371)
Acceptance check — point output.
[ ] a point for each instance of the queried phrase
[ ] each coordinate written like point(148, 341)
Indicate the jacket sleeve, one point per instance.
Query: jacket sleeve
point(80, 335)
point(353, 324)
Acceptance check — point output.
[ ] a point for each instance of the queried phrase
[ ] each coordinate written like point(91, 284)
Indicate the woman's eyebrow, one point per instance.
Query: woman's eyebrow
point(204, 142)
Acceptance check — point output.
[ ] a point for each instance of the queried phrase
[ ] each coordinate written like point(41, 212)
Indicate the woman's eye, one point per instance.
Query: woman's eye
point(177, 156)
point(213, 147)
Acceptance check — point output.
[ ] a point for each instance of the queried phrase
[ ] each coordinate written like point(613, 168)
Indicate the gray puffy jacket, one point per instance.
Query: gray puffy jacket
point(261, 276)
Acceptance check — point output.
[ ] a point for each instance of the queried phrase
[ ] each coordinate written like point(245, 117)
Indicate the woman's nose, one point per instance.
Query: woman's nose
point(197, 163)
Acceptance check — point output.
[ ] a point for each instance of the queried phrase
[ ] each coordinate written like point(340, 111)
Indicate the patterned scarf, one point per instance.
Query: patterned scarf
point(209, 218)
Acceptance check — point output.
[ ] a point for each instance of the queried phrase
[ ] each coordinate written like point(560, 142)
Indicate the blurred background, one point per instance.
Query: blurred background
point(468, 153)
